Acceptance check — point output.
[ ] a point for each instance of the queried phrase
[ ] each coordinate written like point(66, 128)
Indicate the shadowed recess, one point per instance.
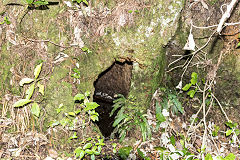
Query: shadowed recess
point(115, 80)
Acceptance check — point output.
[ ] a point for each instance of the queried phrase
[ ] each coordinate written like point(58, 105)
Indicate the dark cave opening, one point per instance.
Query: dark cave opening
point(115, 80)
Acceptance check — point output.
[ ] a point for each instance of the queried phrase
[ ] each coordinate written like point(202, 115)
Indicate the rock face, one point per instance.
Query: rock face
point(112, 32)
point(227, 73)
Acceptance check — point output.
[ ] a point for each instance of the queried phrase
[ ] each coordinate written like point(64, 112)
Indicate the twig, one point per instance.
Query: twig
point(226, 15)
point(194, 53)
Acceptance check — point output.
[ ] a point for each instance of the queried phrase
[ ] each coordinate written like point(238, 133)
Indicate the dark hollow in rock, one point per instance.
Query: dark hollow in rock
point(115, 80)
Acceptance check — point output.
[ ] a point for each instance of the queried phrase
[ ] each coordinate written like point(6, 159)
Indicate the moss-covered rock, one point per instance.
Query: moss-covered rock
point(42, 34)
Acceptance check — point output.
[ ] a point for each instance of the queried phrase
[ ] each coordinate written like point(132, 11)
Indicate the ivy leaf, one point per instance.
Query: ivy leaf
point(87, 146)
point(26, 81)
point(238, 45)
point(30, 91)
point(186, 87)
point(74, 136)
point(71, 114)
point(237, 131)
point(208, 157)
point(79, 153)
point(85, 1)
point(22, 102)
point(37, 70)
point(29, 1)
point(191, 93)
point(194, 78)
point(94, 118)
point(229, 124)
point(35, 110)
point(79, 97)
point(41, 88)
point(231, 156)
point(228, 132)
point(90, 106)
point(41, 2)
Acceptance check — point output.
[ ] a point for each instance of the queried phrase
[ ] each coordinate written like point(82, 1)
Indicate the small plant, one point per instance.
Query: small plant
point(114, 145)
point(33, 3)
point(230, 156)
point(215, 130)
point(142, 155)
point(193, 82)
point(90, 147)
point(35, 110)
point(86, 50)
point(5, 20)
point(81, 1)
point(169, 102)
point(128, 117)
point(70, 117)
point(233, 130)
point(88, 107)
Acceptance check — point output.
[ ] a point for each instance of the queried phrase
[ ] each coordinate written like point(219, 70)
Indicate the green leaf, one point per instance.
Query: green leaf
point(235, 125)
point(118, 120)
point(186, 87)
point(41, 2)
point(228, 132)
point(54, 123)
point(90, 106)
point(231, 156)
point(94, 118)
point(176, 102)
point(237, 131)
point(79, 153)
point(161, 149)
point(238, 45)
point(77, 112)
point(194, 78)
point(79, 97)
point(21, 102)
point(88, 151)
point(191, 93)
point(84, 49)
point(208, 157)
point(85, 1)
point(87, 146)
point(92, 157)
point(229, 124)
point(30, 91)
point(41, 88)
point(172, 140)
point(35, 110)
point(159, 115)
point(74, 136)
point(37, 70)
point(143, 130)
point(140, 153)
point(87, 93)
point(124, 152)
point(29, 1)
point(64, 121)
point(6, 20)
point(71, 114)
point(26, 81)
